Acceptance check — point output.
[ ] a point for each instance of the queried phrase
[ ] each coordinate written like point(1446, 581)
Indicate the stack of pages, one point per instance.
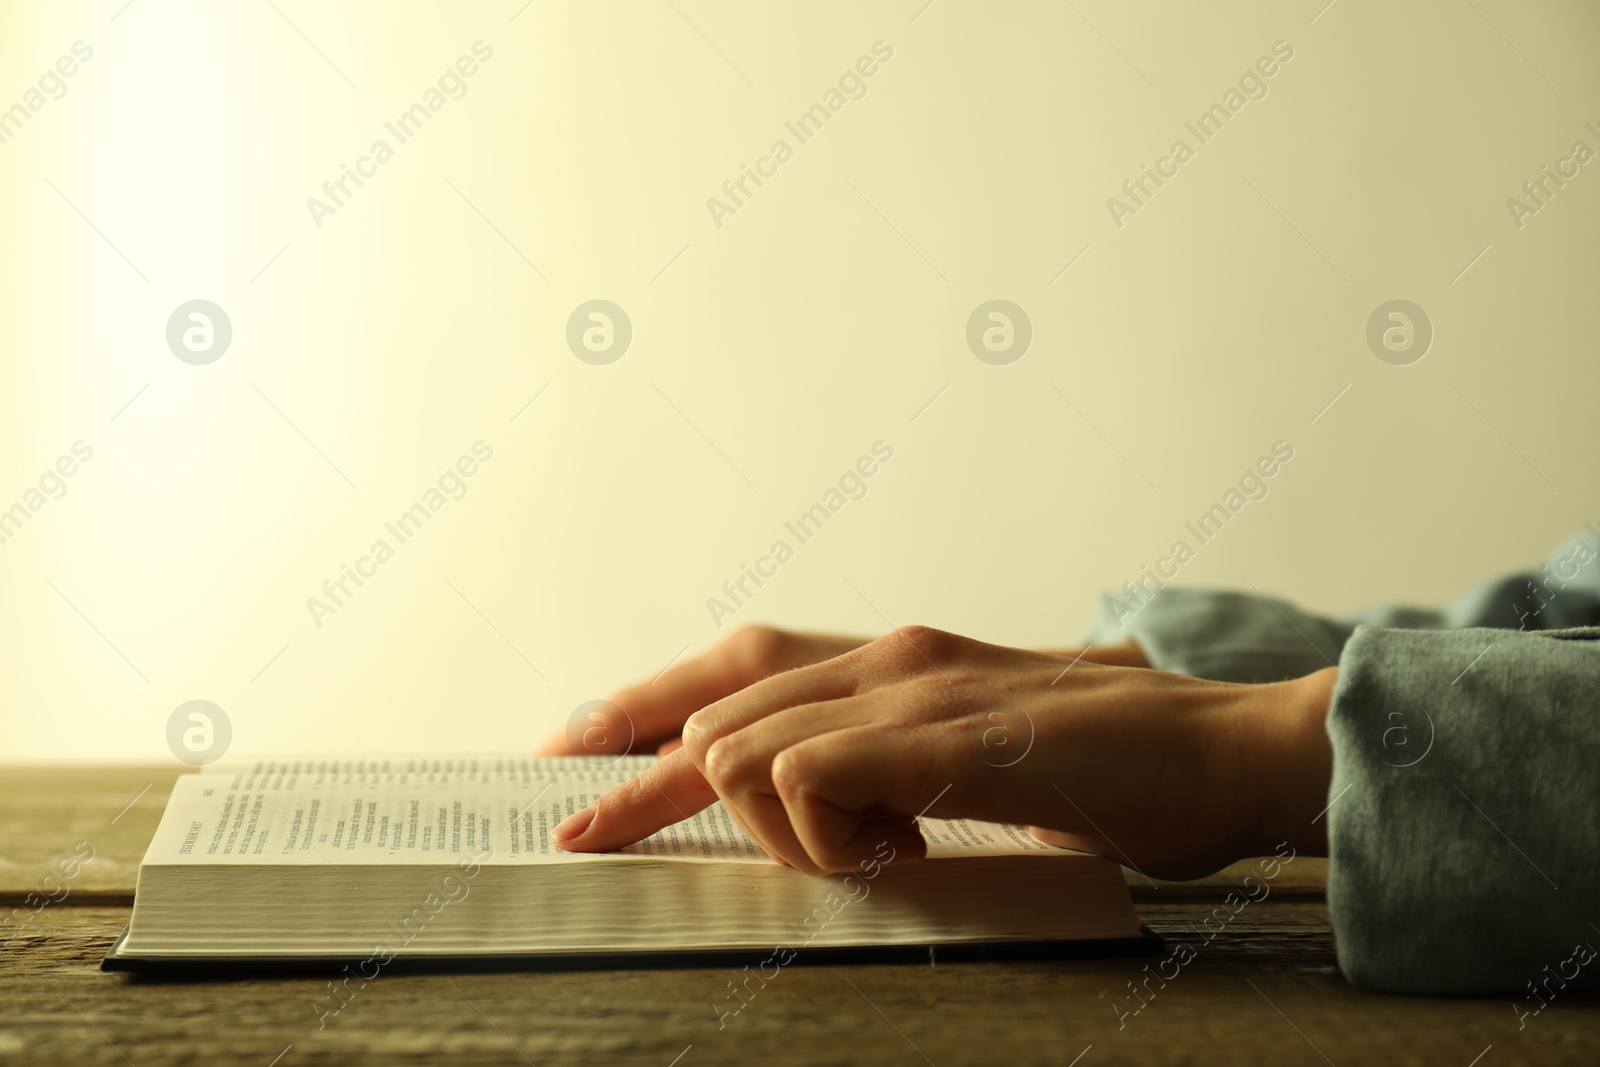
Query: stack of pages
point(445, 858)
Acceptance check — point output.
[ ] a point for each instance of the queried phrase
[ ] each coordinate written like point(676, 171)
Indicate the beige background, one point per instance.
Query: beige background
point(768, 353)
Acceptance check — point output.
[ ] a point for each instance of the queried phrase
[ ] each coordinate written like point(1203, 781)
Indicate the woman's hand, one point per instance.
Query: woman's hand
point(821, 764)
point(653, 713)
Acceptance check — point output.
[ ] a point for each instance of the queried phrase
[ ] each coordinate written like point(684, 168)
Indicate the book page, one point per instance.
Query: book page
point(455, 810)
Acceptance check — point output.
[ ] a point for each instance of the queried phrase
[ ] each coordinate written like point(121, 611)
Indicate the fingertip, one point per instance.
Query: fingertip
point(878, 841)
point(1059, 839)
point(605, 827)
point(895, 840)
point(574, 826)
point(667, 792)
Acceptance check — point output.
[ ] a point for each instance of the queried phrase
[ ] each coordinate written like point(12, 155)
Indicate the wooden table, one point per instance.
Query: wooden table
point(1266, 990)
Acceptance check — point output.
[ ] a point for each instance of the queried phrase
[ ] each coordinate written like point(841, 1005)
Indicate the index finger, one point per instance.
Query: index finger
point(669, 791)
point(655, 711)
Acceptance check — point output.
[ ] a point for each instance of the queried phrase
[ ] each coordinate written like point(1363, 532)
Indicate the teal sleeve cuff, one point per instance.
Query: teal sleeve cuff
point(1464, 817)
point(1224, 636)
point(1246, 637)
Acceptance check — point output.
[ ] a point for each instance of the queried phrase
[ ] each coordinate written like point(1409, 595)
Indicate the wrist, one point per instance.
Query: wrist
point(1127, 654)
point(1293, 757)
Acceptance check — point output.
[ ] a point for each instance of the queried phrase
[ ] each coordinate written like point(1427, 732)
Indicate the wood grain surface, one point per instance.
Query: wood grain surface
point(1266, 989)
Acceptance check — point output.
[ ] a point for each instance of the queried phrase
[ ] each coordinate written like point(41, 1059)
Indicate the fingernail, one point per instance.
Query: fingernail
point(574, 825)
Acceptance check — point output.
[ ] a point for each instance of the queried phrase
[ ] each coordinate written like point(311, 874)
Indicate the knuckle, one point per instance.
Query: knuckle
point(792, 771)
point(724, 766)
point(694, 730)
point(757, 649)
point(927, 639)
point(913, 646)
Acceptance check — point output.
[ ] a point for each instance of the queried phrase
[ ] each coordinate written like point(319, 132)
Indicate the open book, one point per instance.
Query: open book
point(444, 858)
